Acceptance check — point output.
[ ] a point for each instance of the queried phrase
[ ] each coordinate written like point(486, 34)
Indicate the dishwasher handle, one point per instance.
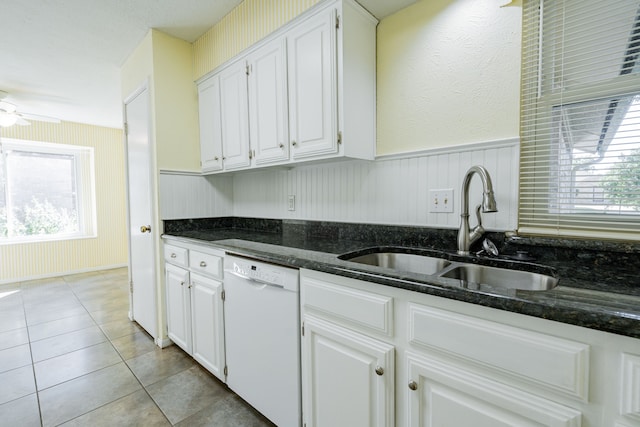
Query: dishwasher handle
point(254, 281)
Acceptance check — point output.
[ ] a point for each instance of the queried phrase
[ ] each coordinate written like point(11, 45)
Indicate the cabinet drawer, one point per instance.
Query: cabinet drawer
point(557, 363)
point(176, 255)
point(360, 308)
point(204, 263)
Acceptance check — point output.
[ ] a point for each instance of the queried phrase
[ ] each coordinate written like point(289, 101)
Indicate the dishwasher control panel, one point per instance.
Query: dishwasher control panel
point(262, 272)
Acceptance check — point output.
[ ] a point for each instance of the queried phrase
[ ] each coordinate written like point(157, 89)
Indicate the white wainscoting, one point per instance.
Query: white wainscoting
point(390, 190)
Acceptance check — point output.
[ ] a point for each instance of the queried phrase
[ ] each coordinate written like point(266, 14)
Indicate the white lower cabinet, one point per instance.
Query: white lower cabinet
point(178, 306)
point(195, 314)
point(207, 324)
point(442, 394)
point(455, 364)
point(348, 377)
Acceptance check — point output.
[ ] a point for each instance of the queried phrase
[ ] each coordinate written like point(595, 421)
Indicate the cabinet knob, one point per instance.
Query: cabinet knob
point(281, 145)
point(203, 264)
point(294, 143)
point(413, 385)
point(181, 283)
point(173, 255)
point(215, 158)
point(379, 370)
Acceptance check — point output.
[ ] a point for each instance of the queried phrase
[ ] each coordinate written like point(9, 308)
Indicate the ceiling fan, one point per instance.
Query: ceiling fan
point(9, 115)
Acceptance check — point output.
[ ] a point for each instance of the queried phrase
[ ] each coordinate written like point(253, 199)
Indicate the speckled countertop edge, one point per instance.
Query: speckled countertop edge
point(605, 311)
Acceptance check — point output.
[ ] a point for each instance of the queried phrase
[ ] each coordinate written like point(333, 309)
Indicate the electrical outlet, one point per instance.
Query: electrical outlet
point(441, 201)
point(291, 203)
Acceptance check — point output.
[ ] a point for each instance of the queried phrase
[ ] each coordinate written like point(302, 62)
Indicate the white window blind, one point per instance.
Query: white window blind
point(580, 119)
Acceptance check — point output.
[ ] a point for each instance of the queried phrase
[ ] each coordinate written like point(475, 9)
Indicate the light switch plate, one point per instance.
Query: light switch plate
point(441, 201)
point(291, 202)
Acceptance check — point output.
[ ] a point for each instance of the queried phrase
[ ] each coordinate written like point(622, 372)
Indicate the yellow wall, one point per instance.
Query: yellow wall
point(243, 26)
point(109, 248)
point(165, 62)
point(448, 74)
point(176, 104)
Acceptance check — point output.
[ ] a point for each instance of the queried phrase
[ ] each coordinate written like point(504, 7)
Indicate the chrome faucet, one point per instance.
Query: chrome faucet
point(467, 236)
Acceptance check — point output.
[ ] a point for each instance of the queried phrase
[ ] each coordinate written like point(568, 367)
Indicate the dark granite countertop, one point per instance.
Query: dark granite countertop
point(610, 303)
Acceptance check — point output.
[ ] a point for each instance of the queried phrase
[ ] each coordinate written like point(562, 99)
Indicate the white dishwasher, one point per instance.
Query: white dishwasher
point(262, 334)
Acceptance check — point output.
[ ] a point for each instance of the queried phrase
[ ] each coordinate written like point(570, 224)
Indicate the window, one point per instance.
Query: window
point(46, 191)
point(580, 119)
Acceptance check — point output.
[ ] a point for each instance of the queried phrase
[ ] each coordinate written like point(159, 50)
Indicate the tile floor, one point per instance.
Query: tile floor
point(70, 356)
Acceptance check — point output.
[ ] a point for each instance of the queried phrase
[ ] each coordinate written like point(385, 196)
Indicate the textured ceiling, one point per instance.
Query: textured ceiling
point(62, 58)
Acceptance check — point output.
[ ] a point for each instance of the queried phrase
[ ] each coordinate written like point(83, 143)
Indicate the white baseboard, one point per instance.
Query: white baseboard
point(64, 273)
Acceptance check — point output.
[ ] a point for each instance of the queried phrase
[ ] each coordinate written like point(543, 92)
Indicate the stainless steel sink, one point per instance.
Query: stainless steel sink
point(455, 273)
point(401, 262)
point(473, 276)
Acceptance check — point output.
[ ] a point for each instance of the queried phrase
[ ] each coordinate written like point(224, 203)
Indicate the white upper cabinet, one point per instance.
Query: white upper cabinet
point(305, 92)
point(234, 115)
point(313, 86)
point(268, 121)
point(210, 128)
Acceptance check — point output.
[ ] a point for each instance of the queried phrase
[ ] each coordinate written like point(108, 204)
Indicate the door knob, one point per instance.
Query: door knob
point(145, 229)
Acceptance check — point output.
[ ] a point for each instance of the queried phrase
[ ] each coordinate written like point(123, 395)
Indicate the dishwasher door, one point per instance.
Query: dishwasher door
point(262, 334)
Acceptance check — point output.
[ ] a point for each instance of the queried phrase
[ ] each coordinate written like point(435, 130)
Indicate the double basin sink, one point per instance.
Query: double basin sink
point(463, 274)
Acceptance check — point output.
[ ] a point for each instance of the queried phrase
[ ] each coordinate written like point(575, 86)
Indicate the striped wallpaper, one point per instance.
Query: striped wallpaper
point(109, 249)
point(243, 26)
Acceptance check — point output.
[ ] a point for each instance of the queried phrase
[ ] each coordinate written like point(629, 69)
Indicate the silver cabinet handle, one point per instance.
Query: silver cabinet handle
point(379, 370)
point(173, 255)
point(413, 385)
point(203, 264)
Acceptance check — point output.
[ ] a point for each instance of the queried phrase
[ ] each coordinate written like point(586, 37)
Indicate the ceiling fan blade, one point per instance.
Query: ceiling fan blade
point(39, 118)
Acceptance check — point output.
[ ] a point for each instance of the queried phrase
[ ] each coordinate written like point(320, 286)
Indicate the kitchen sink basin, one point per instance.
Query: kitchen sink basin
point(473, 276)
point(400, 261)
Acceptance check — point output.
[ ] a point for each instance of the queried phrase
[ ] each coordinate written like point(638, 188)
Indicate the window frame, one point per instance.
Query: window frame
point(84, 176)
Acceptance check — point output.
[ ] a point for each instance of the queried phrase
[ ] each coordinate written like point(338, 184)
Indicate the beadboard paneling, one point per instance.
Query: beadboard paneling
point(109, 248)
point(390, 190)
point(195, 196)
point(249, 22)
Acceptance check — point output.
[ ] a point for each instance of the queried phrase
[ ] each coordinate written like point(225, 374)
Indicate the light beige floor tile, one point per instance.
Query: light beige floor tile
point(75, 364)
point(136, 409)
point(134, 345)
point(55, 313)
point(23, 412)
point(16, 383)
point(66, 343)
point(159, 364)
point(107, 316)
point(186, 393)
point(73, 398)
point(120, 328)
point(231, 411)
point(13, 338)
point(60, 326)
point(11, 319)
point(15, 357)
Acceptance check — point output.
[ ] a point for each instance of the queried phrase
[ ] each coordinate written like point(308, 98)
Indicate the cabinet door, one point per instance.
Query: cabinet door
point(207, 322)
point(178, 306)
point(235, 116)
point(268, 115)
point(444, 395)
point(313, 86)
point(348, 378)
point(210, 124)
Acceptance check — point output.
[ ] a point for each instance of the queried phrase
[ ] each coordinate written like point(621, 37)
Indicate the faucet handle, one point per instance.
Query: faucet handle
point(479, 217)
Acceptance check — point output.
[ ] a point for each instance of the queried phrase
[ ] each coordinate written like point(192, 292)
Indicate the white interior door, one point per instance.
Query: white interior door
point(141, 236)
